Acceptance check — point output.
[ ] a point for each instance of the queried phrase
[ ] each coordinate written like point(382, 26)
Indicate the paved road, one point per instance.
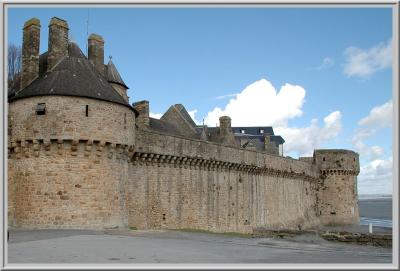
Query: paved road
point(119, 246)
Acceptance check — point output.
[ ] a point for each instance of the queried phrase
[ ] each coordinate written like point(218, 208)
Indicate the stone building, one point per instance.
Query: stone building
point(80, 156)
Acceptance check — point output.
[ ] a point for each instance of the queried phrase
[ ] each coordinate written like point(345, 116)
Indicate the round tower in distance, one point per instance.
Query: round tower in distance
point(337, 188)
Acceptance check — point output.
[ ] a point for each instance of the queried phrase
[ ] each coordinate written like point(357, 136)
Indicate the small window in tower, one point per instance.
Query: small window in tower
point(124, 118)
point(87, 110)
point(261, 131)
point(323, 158)
point(41, 109)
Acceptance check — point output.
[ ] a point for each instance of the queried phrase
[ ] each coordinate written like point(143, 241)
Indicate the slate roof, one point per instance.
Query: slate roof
point(260, 138)
point(185, 114)
point(113, 75)
point(254, 130)
point(252, 133)
point(165, 127)
point(74, 75)
point(162, 126)
point(256, 142)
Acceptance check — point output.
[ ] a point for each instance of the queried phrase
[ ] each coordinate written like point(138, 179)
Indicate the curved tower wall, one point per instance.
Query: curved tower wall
point(337, 198)
point(68, 169)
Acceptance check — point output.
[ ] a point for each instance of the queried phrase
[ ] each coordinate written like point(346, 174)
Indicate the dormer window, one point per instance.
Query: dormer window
point(242, 131)
point(41, 109)
point(261, 131)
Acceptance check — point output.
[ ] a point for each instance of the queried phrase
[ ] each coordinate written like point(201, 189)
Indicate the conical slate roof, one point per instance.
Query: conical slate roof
point(113, 75)
point(74, 75)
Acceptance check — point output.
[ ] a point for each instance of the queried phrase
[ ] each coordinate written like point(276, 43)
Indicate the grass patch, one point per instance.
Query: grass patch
point(133, 228)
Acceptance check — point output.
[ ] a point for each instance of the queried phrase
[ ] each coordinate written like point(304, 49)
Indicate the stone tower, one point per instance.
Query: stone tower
point(337, 187)
point(71, 139)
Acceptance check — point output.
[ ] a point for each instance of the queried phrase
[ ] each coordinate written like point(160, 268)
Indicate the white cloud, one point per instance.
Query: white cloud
point(260, 104)
point(368, 152)
point(327, 62)
point(378, 118)
point(376, 177)
point(156, 115)
point(302, 141)
point(363, 63)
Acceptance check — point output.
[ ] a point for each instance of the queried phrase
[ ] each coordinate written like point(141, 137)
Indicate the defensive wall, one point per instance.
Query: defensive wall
point(183, 183)
point(81, 173)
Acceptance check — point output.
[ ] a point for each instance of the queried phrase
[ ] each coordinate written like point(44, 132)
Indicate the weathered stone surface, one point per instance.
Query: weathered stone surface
point(96, 51)
point(337, 189)
point(30, 52)
point(58, 41)
point(143, 120)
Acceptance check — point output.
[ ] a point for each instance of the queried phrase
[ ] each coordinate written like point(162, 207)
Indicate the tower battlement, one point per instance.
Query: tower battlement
point(337, 161)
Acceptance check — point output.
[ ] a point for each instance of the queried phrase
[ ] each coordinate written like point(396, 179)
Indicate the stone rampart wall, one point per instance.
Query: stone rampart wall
point(181, 183)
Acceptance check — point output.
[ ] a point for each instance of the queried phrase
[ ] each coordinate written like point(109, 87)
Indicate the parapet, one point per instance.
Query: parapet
point(337, 160)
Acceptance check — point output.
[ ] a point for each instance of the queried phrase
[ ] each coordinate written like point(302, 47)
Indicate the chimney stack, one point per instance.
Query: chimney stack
point(30, 52)
point(58, 41)
point(225, 131)
point(96, 51)
point(143, 120)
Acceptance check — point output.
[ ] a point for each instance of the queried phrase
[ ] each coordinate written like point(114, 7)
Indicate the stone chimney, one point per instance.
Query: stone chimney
point(30, 52)
point(269, 146)
point(143, 120)
point(58, 41)
point(225, 131)
point(96, 51)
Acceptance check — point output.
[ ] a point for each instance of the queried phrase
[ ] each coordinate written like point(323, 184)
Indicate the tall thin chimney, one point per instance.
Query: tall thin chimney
point(30, 51)
point(225, 131)
point(58, 41)
point(96, 51)
point(143, 120)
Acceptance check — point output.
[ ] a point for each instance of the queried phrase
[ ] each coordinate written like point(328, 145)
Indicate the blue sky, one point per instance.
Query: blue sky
point(336, 63)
